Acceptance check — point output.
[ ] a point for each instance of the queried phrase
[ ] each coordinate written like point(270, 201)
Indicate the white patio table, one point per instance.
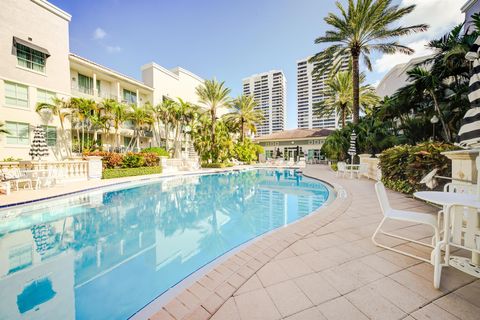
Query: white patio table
point(450, 198)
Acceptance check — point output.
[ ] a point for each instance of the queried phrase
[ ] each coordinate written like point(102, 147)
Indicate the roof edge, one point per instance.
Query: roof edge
point(53, 9)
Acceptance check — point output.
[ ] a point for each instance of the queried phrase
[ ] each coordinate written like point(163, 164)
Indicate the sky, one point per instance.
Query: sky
point(228, 39)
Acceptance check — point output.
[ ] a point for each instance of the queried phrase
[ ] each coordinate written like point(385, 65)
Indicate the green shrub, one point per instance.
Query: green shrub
point(129, 172)
point(156, 150)
point(246, 151)
point(217, 165)
point(334, 166)
point(404, 166)
point(133, 160)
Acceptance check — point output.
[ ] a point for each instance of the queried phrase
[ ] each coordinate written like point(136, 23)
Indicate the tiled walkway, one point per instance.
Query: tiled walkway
point(326, 267)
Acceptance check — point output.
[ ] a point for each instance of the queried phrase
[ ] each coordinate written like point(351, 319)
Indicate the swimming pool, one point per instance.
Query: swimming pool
point(105, 254)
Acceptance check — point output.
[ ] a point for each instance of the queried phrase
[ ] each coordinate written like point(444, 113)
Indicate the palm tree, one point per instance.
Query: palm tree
point(244, 116)
point(213, 95)
point(336, 145)
point(183, 116)
point(425, 83)
point(59, 108)
point(81, 111)
point(361, 28)
point(141, 118)
point(118, 113)
point(338, 97)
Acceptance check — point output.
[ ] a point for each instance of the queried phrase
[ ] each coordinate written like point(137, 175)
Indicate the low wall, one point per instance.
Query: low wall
point(72, 170)
point(372, 170)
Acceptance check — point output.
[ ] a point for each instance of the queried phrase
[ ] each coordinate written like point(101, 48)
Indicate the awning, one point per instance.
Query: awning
point(30, 45)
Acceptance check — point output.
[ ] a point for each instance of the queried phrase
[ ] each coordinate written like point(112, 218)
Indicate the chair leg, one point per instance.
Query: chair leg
point(398, 237)
point(437, 265)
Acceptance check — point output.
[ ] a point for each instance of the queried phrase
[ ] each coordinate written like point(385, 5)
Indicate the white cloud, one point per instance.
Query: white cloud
point(99, 33)
point(387, 61)
point(440, 15)
point(113, 49)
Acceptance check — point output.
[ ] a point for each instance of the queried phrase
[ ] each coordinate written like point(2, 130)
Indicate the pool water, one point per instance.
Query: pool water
point(105, 254)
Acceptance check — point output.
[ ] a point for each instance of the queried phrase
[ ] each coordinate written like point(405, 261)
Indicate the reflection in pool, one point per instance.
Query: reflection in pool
point(106, 254)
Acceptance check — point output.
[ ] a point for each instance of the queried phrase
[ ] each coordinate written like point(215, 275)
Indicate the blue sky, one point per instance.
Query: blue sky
point(227, 39)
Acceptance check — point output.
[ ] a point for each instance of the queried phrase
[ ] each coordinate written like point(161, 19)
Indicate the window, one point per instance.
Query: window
point(16, 95)
point(44, 96)
point(19, 133)
point(129, 96)
point(85, 84)
point(30, 58)
point(50, 135)
point(20, 258)
point(99, 91)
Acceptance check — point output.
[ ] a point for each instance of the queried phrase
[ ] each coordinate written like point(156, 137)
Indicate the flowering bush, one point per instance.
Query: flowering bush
point(111, 160)
point(403, 166)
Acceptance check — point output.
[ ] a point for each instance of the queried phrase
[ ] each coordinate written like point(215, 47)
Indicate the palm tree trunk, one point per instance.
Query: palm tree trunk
point(446, 130)
point(344, 116)
point(242, 133)
point(212, 112)
point(356, 84)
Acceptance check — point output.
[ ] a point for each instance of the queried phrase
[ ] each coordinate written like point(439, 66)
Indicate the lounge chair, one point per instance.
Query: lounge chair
point(402, 215)
point(5, 188)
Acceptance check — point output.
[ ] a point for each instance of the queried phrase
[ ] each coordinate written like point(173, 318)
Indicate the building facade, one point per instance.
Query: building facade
point(270, 92)
point(469, 8)
point(311, 90)
point(36, 66)
point(294, 144)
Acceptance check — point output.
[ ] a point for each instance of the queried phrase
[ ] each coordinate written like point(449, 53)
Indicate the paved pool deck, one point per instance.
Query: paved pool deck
point(326, 267)
point(321, 267)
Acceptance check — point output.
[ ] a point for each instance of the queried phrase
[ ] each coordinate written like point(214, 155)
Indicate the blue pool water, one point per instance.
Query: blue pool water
point(105, 254)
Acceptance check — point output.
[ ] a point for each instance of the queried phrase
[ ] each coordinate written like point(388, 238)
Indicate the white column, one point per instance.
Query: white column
point(95, 92)
point(138, 97)
point(119, 97)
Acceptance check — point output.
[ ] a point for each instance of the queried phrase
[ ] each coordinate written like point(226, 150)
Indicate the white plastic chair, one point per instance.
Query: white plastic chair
point(461, 231)
point(402, 215)
point(341, 168)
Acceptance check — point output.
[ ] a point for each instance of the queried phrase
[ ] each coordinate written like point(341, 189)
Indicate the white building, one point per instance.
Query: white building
point(397, 77)
point(310, 90)
point(270, 92)
point(470, 7)
point(36, 65)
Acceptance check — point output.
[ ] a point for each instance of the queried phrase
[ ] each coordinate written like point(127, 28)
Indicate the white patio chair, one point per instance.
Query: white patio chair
point(402, 215)
point(5, 188)
point(461, 231)
point(341, 168)
point(362, 170)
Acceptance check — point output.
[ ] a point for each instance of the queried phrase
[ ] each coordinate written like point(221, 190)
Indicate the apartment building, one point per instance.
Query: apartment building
point(36, 65)
point(270, 92)
point(311, 90)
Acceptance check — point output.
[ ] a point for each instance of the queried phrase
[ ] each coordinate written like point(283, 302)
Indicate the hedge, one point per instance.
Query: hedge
point(403, 166)
point(217, 165)
point(128, 172)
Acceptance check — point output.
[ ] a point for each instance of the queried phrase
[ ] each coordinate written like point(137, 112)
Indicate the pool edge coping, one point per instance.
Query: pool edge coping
point(248, 260)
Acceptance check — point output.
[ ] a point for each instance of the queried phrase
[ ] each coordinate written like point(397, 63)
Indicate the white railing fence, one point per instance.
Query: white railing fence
point(72, 170)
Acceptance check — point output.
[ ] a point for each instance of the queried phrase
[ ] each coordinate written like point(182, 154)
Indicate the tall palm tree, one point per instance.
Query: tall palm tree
point(214, 95)
point(339, 96)
point(81, 112)
point(361, 28)
point(118, 113)
point(141, 118)
point(244, 116)
point(184, 115)
point(59, 108)
point(425, 83)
